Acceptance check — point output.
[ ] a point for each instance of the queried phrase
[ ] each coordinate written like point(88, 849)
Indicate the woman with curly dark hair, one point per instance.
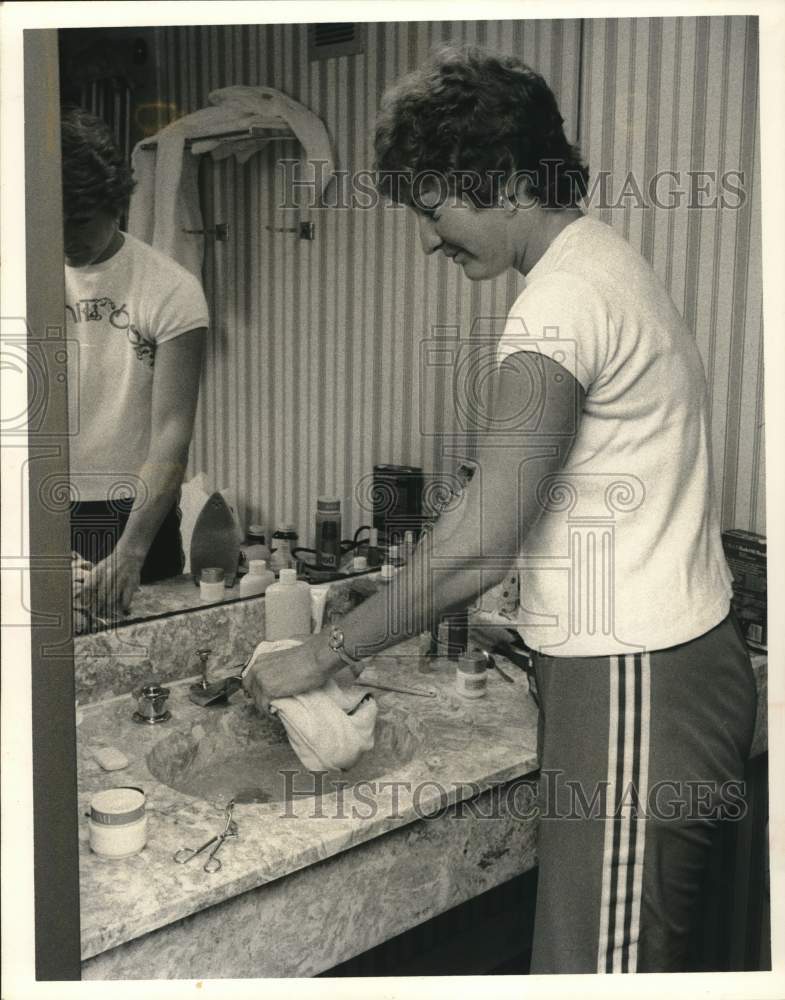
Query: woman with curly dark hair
point(139, 321)
point(477, 124)
point(594, 474)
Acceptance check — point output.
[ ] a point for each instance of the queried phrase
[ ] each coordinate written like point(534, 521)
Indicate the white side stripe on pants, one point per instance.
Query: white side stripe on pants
point(628, 771)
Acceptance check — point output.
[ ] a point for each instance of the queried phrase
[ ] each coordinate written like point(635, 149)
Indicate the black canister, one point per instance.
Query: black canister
point(452, 636)
point(397, 501)
point(328, 532)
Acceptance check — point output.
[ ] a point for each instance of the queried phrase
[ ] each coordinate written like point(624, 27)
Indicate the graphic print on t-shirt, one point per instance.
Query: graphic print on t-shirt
point(118, 313)
point(105, 309)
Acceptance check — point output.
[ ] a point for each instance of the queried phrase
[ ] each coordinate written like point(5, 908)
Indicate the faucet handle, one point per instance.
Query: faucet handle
point(203, 655)
point(149, 689)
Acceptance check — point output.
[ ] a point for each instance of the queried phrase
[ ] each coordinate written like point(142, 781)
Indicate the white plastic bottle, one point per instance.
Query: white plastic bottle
point(288, 608)
point(257, 579)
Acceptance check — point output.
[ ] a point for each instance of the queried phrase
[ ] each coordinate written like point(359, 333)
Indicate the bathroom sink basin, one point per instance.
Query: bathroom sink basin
point(239, 753)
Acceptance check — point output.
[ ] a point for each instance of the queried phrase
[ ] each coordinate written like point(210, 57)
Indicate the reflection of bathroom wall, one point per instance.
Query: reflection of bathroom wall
point(313, 376)
point(313, 371)
point(98, 66)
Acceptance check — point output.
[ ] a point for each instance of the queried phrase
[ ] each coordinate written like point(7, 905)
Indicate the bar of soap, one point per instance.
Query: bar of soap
point(110, 758)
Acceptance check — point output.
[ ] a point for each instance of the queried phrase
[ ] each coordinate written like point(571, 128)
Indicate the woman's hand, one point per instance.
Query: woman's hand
point(288, 671)
point(80, 572)
point(108, 589)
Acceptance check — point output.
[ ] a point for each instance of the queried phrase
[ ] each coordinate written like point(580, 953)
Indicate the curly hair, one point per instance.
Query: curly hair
point(477, 122)
point(95, 175)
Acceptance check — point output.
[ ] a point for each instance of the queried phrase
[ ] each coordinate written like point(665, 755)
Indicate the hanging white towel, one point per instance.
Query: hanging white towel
point(165, 202)
point(328, 728)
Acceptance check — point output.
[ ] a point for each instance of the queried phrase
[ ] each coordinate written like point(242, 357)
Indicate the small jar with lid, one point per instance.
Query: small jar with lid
point(117, 822)
point(255, 545)
point(387, 573)
point(212, 584)
point(471, 679)
point(256, 534)
point(284, 541)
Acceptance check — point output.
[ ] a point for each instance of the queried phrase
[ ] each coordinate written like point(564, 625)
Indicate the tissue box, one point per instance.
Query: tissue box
point(746, 555)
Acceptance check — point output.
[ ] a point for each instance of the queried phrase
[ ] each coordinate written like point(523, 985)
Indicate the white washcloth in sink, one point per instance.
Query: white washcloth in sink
point(330, 727)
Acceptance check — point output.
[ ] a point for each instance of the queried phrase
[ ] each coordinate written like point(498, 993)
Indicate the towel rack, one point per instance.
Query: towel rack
point(252, 132)
point(220, 231)
point(305, 230)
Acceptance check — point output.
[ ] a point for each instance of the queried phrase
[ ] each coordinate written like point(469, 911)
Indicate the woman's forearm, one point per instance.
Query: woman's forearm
point(446, 571)
point(175, 393)
point(162, 478)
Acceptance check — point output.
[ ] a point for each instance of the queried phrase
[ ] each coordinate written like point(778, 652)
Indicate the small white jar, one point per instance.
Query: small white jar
point(471, 680)
point(212, 586)
point(117, 822)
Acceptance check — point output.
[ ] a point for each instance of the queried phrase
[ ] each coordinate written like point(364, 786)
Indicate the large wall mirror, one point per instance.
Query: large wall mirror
point(320, 304)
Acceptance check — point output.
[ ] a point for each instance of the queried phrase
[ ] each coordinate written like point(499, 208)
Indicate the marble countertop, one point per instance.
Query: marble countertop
point(177, 594)
point(171, 596)
point(461, 747)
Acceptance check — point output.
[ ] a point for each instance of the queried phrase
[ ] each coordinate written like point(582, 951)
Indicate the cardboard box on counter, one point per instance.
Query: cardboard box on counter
point(746, 555)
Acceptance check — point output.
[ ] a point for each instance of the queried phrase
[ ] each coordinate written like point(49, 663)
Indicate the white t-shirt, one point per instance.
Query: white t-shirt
point(628, 553)
point(118, 312)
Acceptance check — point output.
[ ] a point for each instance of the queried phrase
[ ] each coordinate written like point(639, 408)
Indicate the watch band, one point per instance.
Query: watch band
point(336, 644)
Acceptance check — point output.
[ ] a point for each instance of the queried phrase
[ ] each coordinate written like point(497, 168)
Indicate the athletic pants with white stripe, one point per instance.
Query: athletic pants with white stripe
point(640, 756)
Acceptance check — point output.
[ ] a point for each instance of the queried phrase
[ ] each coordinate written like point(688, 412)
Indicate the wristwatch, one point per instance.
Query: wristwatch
point(335, 643)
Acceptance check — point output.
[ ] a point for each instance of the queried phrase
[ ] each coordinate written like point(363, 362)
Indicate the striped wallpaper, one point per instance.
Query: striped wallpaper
point(681, 94)
point(313, 373)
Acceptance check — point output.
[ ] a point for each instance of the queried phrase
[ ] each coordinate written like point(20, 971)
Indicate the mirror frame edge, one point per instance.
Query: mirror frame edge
point(55, 802)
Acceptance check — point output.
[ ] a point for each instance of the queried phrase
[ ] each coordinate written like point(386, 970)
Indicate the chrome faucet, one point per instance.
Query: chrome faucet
point(204, 692)
point(151, 704)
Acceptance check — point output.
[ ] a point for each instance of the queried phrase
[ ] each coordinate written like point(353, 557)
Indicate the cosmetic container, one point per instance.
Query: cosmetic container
point(257, 579)
point(328, 532)
point(211, 584)
point(287, 608)
point(117, 822)
point(471, 680)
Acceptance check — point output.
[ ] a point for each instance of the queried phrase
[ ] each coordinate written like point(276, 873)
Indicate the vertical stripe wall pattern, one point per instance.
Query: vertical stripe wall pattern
point(317, 366)
point(681, 95)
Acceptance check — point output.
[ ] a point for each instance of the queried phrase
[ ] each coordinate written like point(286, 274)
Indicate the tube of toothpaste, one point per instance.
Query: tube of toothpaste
point(318, 604)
